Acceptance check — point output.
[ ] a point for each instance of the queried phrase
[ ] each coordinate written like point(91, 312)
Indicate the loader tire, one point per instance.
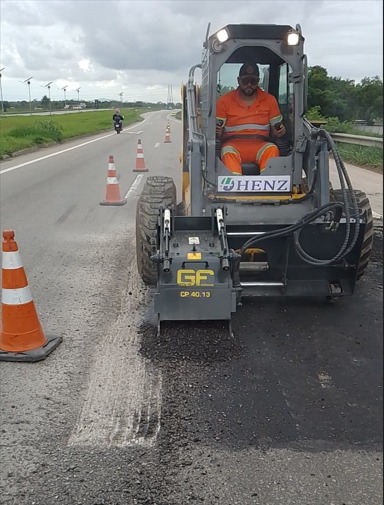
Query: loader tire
point(366, 247)
point(158, 191)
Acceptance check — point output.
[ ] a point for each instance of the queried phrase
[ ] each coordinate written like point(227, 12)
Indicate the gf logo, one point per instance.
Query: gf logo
point(191, 277)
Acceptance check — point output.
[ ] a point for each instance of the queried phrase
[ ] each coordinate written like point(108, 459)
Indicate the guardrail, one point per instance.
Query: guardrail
point(358, 140)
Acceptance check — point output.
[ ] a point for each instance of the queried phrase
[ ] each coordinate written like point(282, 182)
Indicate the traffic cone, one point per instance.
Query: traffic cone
point(22, 337)
point(111, 167)
point(167, 139)
point(140, 164)
point(168, 126)
point(112, 196)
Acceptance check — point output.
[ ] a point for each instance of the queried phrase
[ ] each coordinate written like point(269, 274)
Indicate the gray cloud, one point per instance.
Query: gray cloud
point(109, 46)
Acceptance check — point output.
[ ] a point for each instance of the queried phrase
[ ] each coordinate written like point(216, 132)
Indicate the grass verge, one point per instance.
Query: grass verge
point(23, 132)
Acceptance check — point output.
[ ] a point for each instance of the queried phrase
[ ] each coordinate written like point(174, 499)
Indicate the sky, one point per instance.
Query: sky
point(143, 50)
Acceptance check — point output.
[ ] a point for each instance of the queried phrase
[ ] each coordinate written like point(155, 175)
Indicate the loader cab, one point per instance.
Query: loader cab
point(283, 69)
point(274, 79)
point(282, 74)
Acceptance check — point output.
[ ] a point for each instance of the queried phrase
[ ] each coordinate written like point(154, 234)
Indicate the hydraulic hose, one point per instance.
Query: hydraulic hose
point(349, 202)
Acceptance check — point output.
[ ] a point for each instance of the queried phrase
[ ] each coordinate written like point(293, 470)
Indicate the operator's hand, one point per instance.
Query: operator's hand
point(219, 131)
point(278, 130)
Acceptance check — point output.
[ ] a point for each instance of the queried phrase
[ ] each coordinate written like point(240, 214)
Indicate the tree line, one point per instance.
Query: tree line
point(342, 98)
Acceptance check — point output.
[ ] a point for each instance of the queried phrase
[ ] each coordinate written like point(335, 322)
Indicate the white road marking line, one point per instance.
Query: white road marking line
point(157, 144)
point(54, 154)
point(134, 187)
point(63, 151)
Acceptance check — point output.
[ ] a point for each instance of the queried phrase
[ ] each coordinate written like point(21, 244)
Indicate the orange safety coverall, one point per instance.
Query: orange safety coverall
point(238, 119)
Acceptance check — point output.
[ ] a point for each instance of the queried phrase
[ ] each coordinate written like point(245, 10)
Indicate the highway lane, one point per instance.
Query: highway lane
point(290, 411)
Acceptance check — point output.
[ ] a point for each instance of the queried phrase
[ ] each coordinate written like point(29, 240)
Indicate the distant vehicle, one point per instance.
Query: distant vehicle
point(118, 125)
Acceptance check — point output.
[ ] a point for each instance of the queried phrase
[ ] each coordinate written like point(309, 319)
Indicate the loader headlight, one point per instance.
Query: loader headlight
point(293, 39)
point(222, 35)
point(216, 46)
point(219, 39)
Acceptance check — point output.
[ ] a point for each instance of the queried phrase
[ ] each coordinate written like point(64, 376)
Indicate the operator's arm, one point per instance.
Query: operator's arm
point(276, 118)
point(221, 117)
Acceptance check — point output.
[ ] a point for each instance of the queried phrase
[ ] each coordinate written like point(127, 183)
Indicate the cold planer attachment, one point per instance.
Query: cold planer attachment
point(194, 268)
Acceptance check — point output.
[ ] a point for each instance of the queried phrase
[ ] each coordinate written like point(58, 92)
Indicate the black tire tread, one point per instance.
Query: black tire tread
point(365, 209)
point(158, 191)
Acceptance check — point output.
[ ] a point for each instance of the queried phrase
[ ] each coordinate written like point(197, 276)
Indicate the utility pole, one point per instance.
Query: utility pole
point(28, 82)
point(1, 92)
point(49, 95)
point(121, 97)
point(78, 99)
point(64, 88)
point(170, 97)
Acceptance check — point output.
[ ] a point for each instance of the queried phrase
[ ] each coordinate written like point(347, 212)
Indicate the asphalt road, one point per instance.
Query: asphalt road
point(287, 412)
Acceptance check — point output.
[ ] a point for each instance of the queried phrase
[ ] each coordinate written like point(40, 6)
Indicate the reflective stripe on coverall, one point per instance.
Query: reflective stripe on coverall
point(238, 118)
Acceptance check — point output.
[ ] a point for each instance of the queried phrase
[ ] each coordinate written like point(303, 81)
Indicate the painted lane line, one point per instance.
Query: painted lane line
point(62, 151)
point(134, 187)
point(53, 154)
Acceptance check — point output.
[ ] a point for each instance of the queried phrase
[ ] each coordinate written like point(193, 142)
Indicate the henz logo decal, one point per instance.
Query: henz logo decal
point(255, 184)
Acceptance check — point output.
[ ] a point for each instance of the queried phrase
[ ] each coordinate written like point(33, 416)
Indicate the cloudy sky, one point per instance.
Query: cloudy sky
point(144, 48)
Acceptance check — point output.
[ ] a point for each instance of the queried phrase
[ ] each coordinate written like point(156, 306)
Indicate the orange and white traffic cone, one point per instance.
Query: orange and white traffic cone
point(140, 163)
point(112, 194)
point(22, 337)
point(167, 139)
point(168, 126)
point(111, 167)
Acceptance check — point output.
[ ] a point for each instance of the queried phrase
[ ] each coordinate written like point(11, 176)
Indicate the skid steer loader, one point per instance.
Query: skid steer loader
point(286, 232)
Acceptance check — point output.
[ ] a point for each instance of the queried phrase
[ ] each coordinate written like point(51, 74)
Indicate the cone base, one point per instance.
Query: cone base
point(119, 202)
point(35, 354)
point(140, 170)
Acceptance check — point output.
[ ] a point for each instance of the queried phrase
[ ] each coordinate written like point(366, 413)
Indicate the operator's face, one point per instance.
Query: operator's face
point(248, 85)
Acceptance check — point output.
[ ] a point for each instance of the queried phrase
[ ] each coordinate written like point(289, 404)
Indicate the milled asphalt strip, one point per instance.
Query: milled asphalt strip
point(122, 406)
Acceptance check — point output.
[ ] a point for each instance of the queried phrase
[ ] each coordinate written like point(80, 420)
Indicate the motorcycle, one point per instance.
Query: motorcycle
point(118, 126)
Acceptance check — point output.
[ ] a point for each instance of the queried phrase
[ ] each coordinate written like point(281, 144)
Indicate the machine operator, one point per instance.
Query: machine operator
point(248, 112)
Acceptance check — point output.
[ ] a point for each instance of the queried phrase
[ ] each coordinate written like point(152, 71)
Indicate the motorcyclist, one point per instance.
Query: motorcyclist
point(117, 117)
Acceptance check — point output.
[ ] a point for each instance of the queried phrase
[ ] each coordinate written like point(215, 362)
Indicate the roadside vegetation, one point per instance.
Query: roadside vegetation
point(364, 156)
point(22, 132)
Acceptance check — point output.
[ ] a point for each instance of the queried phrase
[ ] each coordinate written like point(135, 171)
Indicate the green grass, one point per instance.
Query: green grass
point(370, 157)
point(22, 132)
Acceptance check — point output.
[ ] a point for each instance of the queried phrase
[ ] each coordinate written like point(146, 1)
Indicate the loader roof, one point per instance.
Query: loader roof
point(245, 31)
